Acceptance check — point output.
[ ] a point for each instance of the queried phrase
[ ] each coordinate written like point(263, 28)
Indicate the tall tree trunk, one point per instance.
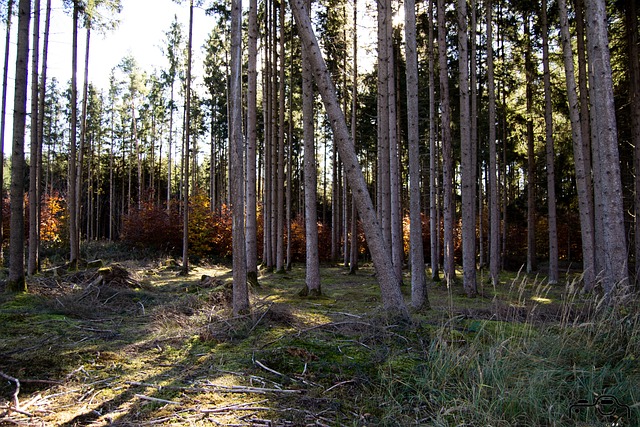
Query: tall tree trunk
point(33, 158)
point(631, 25)
point(531, 156)
point(280, 204)
point(395, 213)
point(447, 149)
point(384, 179)
point(236, 163)
point(312, 279)
point(594, 240)
point(187, 133)
point(609, 196)
point(3, 120)
point(72, 189)
point(252, 136)
point(494, 197)
point(16, 281)
point(41, 110)
point(467, 164)
point(477, 167)
point(392, 299)
point(419, 297)
point(551, 181)
point(268, 112)
point(353, 256)
point(433, 168)
point(83, 132)
point(170, 149)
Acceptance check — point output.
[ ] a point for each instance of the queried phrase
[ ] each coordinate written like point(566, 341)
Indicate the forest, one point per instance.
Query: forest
point(331, 213)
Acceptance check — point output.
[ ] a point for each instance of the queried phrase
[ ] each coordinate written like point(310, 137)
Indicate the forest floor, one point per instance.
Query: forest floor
point(136, 344)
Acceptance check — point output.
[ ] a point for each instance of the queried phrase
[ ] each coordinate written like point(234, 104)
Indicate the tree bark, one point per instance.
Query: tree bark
point(395, 213)
point(383, 199)
point(433, 168)
point(494, 197)
point(16, 281)
point(392, 299)
point(280, 202)
point(312, 279)
point(531, 156)
point(550, 152)
point(3, 120)
point(72, 189)
point(187, 133)
point(252, 136)
point(33, 158)
point(447, 149)
point(236, 162)
point(467, 164)
point(353, 256)
point(631, 25)
point(608, 197)
point(419, 297)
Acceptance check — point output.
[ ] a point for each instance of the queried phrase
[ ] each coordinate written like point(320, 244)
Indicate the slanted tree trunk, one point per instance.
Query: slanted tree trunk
point(33, 158)
point(16, 281)
point(419, 297)
point(392, 299)
point(236, 163)
point(494, 197)
point(312, 279)
point(252, 136)
point(609, 196)
point(447, 149)
point(551, 181)
point(3, 120)
point(467, 164)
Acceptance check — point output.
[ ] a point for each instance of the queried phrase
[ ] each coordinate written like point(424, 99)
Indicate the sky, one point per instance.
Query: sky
point(141, 33)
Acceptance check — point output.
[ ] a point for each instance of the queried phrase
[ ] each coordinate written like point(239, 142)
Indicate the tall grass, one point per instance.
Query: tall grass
point(528, 373)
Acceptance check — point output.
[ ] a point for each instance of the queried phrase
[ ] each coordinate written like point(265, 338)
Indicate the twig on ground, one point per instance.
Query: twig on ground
point(260, 319)
point(155, 399)
point(266, 368)
point(338, 385)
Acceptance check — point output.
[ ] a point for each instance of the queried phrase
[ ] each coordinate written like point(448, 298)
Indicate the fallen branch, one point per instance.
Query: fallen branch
point(234, 408)
point(16, 402)
point(338, 385)
point(238, 407)
point(155, 399)
point(215, 388)
point(266, 368)
point(260, 319)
